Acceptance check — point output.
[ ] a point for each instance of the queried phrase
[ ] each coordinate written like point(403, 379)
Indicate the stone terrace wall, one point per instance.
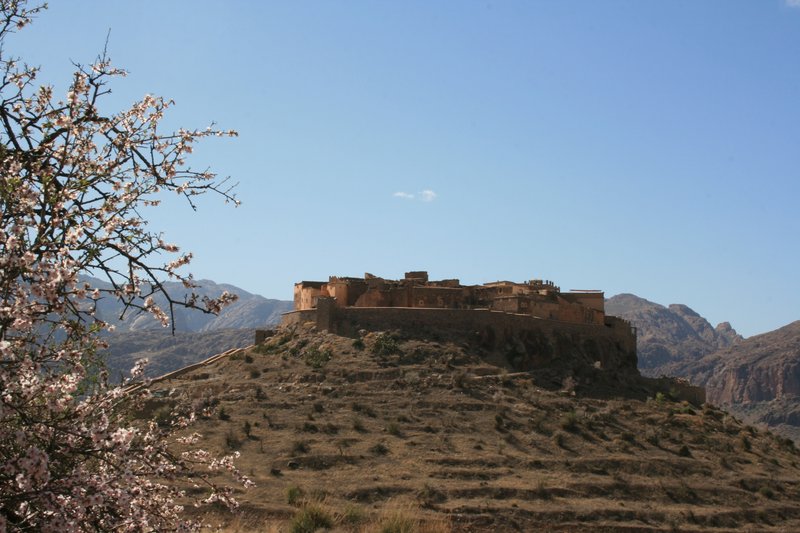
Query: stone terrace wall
point(528, 342)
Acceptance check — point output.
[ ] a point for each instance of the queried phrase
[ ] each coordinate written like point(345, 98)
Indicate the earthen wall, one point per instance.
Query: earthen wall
point(613, 346)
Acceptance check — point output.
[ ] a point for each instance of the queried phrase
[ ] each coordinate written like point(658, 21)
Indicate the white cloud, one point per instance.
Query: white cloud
point(428, 195)
point(793, 3)
point(423, 196)
point(404, 195)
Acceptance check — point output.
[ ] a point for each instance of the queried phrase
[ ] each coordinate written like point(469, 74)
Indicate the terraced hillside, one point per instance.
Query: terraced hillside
point(363, 434)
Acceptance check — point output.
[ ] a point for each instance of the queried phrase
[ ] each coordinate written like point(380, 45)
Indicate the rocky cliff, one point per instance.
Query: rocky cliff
point(759, 369)
point(668, 335)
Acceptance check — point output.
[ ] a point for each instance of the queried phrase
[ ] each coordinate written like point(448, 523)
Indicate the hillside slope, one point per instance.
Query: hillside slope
point(166, 352)
point(390, 429)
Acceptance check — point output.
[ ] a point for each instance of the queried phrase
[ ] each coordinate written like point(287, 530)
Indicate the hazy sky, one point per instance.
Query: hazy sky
point(629, 146)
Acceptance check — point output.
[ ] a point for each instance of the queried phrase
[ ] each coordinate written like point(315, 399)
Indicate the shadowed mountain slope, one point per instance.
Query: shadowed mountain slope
point(166, 352)
point(197, 336)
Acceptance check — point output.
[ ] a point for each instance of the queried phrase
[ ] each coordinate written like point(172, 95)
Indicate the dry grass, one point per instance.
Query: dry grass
point(416, 447)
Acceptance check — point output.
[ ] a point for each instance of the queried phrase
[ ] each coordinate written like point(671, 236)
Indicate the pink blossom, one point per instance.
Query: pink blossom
point(69, 455)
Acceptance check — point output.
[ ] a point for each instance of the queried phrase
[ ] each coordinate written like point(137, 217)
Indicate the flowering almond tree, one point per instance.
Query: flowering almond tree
point(73, 182)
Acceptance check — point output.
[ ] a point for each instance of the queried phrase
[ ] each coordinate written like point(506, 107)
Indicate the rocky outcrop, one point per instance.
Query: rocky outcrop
point(760, 369)
point(669, 335)
point(758, 378)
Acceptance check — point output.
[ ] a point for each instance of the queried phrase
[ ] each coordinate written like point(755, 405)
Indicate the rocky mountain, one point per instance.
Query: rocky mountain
point(757, 378)
point(762, 368)
point(249, 311)
point(667, 335)
point(166, 352)
point(197, 335)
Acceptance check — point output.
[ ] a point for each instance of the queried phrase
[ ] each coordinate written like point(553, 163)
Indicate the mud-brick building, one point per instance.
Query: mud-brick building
point(536, 298)
point(533, 326)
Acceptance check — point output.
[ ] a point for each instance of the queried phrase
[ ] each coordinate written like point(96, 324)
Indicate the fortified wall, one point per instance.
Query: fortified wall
point(533, 325)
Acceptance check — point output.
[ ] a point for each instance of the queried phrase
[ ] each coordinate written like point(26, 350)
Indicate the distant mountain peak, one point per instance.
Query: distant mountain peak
point(684, 310)
point(249, 311)
point(627, 301)
point(669, 334)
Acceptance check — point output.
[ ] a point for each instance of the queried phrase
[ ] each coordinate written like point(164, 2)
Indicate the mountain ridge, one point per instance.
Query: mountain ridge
point(667, 334)
point(757, 379)
point(248, 311)
point(197, 335)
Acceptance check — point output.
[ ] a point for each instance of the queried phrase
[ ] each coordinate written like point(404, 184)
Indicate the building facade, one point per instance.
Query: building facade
point(536, 298)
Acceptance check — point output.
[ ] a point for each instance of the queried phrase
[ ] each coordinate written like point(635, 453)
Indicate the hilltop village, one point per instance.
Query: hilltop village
point(534, 320)
point(537, 298)
point(531, 326)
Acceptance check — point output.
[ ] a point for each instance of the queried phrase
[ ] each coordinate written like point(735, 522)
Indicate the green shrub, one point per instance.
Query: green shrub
point(398, 523)
point(569, 421)
point(353, 515)
point(309, 519)
point(745, 443)
point(541, 490)
point(499, 422)
point(300, 446)
point(293, 495)
point(222, 414)
point(365, 409)
point(430, 495)
point(232, 441)
point(385, 345)
point(766, 492)
point(265, 349)
point(393, 429)
point(163, 416)
point(379, 449)
point(316, 357)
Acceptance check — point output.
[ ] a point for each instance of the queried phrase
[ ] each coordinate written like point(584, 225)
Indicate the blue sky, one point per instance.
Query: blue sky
point(628, 146)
